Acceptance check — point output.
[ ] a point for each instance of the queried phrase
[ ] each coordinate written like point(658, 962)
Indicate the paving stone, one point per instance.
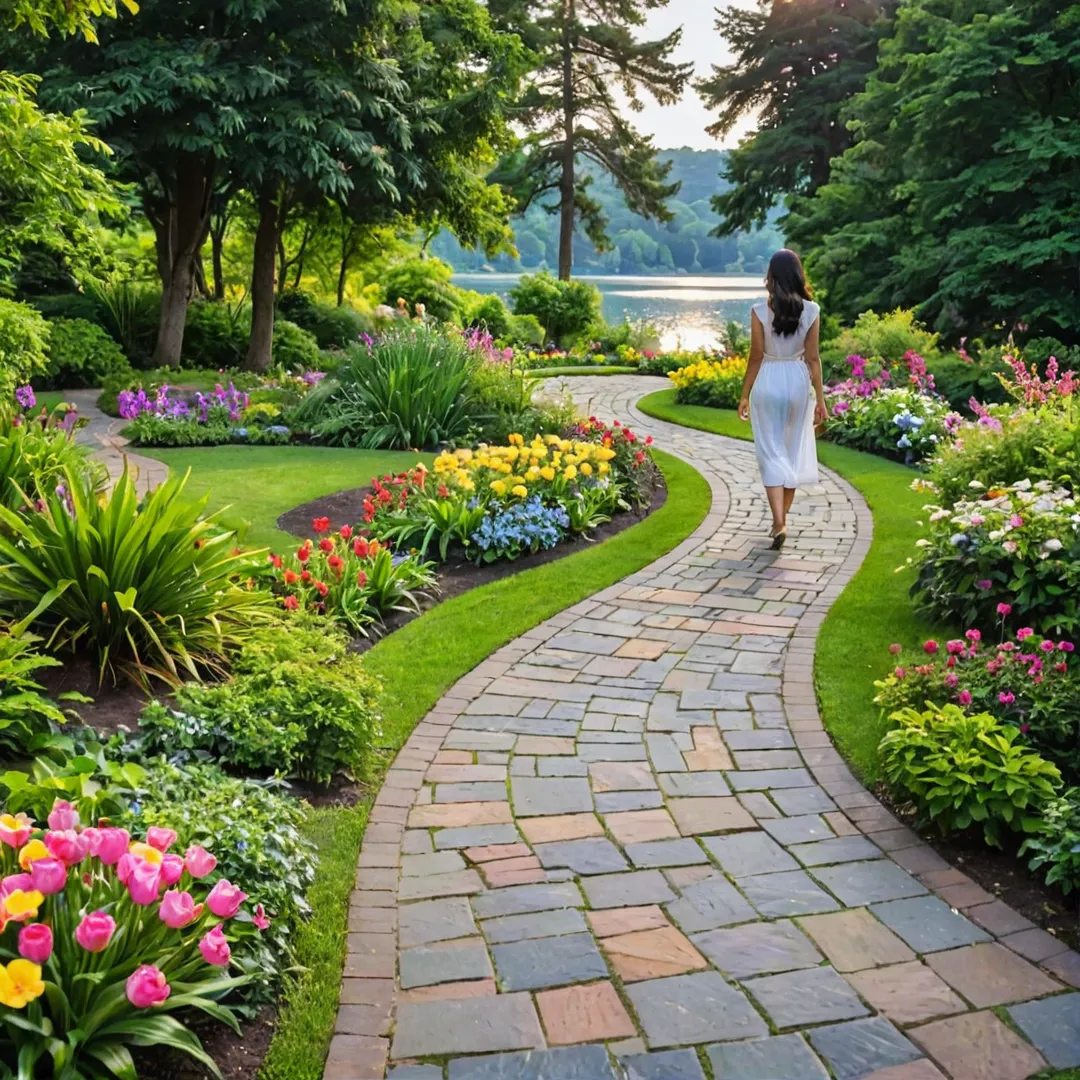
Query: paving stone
point(546, 830)
point(621, 776)
point(862, 883)
point(442, 862)
point(458, 883)
point(598, 751)
point(522, 899)
point(789, 893)
point(760, 805)
point(758, 949)
point(652, 954)
point(616, 921)
point(798, 830)
point(769, 779)
point(862, 1048)
point(561, 766)
point(922, 1069)
point(641, 826)
point(796, 801)
point(989, 974)
point(593, 855)
point(534, 963)
point(448, 992)
point(434, 920)
point(416, 1072)
point(534, 925)
point(460, 793)
point(355, 1057)
point(497, 852)
point(545, 745)
point(482, 1025)
point(998, 918)
point(780, 1056)
point(581, 1014)
point(627, 890)
point(540, 796)
point(928, 924)
point(1036, 945)
point(448, 961)
point(663, 1065)
point(694, 784)
point(614, 802)
point(476, 836)
point(562, 1063)
point(838, 849)
point(978, 1046)
point(688, 1009)
point(1066, 966)
point(460, 815)
point(854, 940)
point(907, 993)
point(797, 998)
point(666, 853)
point(1053, 1025)
point(709, 904)
point(759, 740)
point(698, 816)
point(744, 854)
point(768, 759)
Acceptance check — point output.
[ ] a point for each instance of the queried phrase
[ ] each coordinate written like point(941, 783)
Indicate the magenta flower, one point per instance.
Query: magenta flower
point(1006, 697)
point(1024, 633)
point(95, 931)
point(24, 395)
point(64, 816)
point(1066, 646)
point(1016, 521)
point(964, 697)
point(895, 648)
point(214, 948)
point(985, 583)
point(1004, 610)
point(35, 943)
point(973, 635)
point(147, 986)
point(951, 679)
point(931, 647)
point(225, 899)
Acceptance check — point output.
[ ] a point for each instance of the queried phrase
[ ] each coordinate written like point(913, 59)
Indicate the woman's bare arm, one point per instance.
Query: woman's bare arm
point(813, 362)
point(753, 365)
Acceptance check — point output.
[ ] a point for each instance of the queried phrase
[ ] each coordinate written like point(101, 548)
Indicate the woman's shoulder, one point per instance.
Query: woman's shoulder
point(811, 311)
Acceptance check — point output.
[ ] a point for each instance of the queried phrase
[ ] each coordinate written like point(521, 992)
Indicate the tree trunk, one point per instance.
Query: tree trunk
point(566, 202)
point(189, 213)
point(198, 282)
point(260, 344)
point(217, 243)
point(348, 250)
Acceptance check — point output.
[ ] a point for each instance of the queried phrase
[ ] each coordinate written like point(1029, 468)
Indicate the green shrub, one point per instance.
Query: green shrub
point(504, 406)
point(82, 354)
point(427, 282)
point(72, 305)
point(300, 703)
point(150, 430)
point(215, 335)
point(566, 309)
point(253, 829)
point(1055, 846)
point(293, 348)
point(147, 586)
point(886, 338)
point(410, 390)
point(25, 713)
point(490, 313)
point(332, 327)
point(525, 331)
point(130, 313)
point(34, 458)
point(962, 771)
point(1039, 350)
point(24, 346)
point(958, 380)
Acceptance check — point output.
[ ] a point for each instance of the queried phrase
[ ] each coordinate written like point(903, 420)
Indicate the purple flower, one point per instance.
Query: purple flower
point(24, 395)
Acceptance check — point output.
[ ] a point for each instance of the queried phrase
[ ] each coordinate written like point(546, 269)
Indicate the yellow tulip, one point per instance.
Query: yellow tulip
point(604, 468)
point(586, 469)
point(520, 490)
point(570, 472)
point(498, 486)
point(32, 852)
point(548, 473)
point(20, 983)
point(21, 906)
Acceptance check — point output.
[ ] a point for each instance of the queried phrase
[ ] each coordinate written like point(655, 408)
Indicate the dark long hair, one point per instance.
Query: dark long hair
point(786, 283)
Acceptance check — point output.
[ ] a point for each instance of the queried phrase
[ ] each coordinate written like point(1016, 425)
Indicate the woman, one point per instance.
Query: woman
point(782, 394)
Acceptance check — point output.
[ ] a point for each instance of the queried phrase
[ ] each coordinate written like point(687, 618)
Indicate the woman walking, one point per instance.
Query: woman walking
point(782, 395)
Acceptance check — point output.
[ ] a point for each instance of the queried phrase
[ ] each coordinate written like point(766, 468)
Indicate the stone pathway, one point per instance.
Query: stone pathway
point(102, 434)
point(624, 847)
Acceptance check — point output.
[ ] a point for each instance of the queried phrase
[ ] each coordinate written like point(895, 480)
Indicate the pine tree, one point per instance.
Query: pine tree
point(587, 50)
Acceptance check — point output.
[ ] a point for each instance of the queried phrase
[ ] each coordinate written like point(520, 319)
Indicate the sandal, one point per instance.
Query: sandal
point(779, 538)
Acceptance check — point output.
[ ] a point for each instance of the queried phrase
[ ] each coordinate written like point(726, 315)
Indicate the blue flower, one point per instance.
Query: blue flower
point(903, 442)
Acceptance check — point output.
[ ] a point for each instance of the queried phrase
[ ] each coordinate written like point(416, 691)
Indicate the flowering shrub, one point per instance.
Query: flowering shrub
point(226, 404)
point(961, 771)
point(1027, 681)
point(110, 935)
point(1017, 546)
point(717, 383)
point(349, 577)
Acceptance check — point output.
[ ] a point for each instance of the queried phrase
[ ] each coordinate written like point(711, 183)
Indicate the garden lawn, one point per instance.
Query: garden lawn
point(874, 610)
point(417, 664)
point(257, 484)
point(581, 369)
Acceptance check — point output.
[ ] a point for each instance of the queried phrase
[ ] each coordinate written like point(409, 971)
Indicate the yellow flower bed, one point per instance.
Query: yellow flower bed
point(710, 382)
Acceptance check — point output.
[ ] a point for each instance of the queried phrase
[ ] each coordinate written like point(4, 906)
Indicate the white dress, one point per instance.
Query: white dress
point(782, 405)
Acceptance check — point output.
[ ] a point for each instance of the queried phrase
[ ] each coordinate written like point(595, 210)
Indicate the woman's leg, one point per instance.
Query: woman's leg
point(776, 504)
point(789, 498)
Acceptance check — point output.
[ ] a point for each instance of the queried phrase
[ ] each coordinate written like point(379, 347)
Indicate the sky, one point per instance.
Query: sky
point(684, 124)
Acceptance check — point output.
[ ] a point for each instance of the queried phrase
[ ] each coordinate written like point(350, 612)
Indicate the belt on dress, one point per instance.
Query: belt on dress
point(771, 357)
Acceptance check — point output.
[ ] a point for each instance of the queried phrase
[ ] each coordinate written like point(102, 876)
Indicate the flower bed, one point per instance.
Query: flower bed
point(717, 383)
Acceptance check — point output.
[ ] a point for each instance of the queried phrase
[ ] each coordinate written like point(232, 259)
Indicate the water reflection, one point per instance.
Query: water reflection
point(689, 311)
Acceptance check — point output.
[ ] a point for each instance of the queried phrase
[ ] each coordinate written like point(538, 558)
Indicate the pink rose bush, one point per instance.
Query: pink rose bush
point(110, 933)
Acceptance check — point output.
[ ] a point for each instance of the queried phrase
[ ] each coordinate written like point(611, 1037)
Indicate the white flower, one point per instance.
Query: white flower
point(1053, 544)
point(996, 534)
point(1043, 485)
point(939, 515)
point(976, 485)
point(1020, 485)
point(922, 543)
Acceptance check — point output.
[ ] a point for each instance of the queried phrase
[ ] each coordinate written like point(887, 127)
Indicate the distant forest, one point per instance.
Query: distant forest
point(680, 246)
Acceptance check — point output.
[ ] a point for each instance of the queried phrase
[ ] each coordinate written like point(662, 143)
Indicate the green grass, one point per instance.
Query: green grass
point(874, 610)
point(50, 398)
point(582, 369)
point(417, 664)
point(259, 483)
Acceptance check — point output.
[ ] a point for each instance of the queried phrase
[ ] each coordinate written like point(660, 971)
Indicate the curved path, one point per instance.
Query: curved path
point(101, 433)
point(624, 845)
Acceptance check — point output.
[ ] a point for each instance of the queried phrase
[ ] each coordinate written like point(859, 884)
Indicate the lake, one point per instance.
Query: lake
point(689, 310)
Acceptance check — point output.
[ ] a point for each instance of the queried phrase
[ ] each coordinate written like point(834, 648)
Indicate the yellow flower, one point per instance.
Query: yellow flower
point(516, 440)
point(146, 852)
point(552, 440)
point(467, 485)
point(520, 490)
point(20, 983)
point(548, 473)
point(21, 905)
point(533, 473)
point(604, 468)
point(498, 486)
point(32, 852)
point(570, 472)
point(586, 469)
point(565, 445)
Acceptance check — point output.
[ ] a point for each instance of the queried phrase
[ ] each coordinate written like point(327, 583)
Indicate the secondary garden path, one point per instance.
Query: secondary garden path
point(102, 434)
point(624, 846)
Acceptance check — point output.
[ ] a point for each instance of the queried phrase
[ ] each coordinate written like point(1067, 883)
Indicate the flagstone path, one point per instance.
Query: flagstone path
point(101, 434)
point(624, 847)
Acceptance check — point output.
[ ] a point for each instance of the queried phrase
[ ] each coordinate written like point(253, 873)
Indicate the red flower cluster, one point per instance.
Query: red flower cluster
point(631, 451)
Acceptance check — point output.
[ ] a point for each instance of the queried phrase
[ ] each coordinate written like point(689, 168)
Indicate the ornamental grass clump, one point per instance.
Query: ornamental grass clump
point(109, 935)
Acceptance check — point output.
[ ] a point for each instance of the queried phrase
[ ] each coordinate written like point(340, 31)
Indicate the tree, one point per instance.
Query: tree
point(586, 50)
point(959, 195)
point(67, 16)
point(797, 65)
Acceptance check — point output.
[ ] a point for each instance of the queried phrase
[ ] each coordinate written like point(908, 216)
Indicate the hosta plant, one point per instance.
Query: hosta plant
point(148, 587)
point(103, 938)
point(1054, 848)
point(962, 771)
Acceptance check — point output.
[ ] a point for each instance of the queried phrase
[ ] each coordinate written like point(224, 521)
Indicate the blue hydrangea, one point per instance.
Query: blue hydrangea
point(507, 532)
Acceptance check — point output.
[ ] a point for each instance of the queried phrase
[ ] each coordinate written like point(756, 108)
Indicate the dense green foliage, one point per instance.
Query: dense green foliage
point(35, 458)
point(25, 713)
point(566, 309)
point(81, 354)
point(24, 345)
point(1054, 848)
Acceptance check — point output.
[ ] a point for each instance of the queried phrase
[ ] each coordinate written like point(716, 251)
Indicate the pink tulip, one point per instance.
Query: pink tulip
point(964, 697)
point(215, 948)
point(899, 672)
point(159, 838)
point(1006, 697)
point(64, 816)
point(147, 987)
point(1004, 610)
point(225, 899)
point(68, 845)
point(951, 680)
point(896, 648)
point(16, 881)
point(1024, 633)
point(48, 876)
point(178, 909)
point(1047, 646)
point(95, 931)
point(931, 646)
point(172, 869)
point(111, 844)
point(35, 943)
point(1066, 646)
point(973, 635)
point(15, 829)
point(260, 920)
point(199, 861)
point(144, 883)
